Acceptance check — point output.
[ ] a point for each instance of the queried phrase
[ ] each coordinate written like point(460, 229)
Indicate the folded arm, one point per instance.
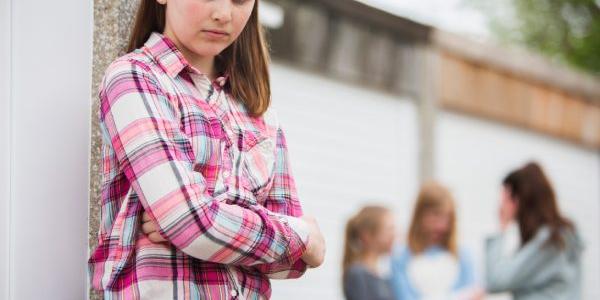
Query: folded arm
point(143, 126)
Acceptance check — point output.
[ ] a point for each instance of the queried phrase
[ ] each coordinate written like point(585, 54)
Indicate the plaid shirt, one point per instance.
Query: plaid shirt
point(215, 180)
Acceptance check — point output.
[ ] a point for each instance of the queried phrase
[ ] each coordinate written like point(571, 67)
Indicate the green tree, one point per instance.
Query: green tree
point(565, 30)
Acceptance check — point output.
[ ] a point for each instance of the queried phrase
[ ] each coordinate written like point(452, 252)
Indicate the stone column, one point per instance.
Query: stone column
point(112, 22)
point(427, 93)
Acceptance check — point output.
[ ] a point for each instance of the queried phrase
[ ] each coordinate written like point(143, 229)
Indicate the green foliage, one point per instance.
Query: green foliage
point(566, 30)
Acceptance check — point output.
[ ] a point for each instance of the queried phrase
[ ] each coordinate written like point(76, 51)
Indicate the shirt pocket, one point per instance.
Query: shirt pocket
point(257, 163)
point(208, 154)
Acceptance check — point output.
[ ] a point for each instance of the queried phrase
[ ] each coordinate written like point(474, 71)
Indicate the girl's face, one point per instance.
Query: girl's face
point(206, 27)
point(383, 239)
point(436, 223)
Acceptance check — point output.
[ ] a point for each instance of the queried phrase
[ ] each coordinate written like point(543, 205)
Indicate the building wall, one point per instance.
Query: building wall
point(45, 79)
point(510, 97)
point(473, 156)
point(348, 146)
point(5, 145)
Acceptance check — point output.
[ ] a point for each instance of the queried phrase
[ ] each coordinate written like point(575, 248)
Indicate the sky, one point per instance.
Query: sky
point(451, 15)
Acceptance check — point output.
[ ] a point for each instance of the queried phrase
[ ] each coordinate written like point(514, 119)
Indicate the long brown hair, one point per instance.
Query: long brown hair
point(367, 220)
point(245, 61)
point(537, 204)
point(432, 196)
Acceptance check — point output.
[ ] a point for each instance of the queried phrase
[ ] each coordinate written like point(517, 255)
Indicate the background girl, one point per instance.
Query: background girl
point(432, 266)
point(369, 236)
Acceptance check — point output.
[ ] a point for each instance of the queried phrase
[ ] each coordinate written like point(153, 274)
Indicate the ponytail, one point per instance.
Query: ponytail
point(352, 244)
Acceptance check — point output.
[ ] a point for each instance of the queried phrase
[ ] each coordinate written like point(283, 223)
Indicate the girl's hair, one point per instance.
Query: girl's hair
point(367, 220)
point(537, 204)
point(245, 61)
point(432, 196)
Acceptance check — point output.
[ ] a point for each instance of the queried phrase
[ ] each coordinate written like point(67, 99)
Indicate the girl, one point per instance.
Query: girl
point(433, 266)
point(191, 151)
point(369, 236)
point(548, 261)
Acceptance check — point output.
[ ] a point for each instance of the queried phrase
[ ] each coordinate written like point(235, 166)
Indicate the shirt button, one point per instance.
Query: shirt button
point(233, 293)
point(225, 174)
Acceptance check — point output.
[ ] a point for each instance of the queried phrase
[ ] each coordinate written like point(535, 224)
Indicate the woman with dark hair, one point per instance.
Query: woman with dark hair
point(547, 265)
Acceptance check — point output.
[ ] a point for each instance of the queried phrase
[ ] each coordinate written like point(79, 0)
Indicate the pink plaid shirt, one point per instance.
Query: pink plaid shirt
point(217, 182)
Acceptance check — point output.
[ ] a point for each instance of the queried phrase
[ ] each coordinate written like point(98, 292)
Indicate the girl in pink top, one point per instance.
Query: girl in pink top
point(198, 198)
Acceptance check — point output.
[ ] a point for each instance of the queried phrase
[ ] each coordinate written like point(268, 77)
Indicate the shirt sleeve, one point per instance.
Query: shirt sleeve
point(533, 264)
point(401, 285)
point(143, 125)
point(283, 198)
point(467, 271)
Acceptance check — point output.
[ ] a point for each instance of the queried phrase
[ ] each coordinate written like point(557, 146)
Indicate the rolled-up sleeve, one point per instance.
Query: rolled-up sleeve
point(143, 128)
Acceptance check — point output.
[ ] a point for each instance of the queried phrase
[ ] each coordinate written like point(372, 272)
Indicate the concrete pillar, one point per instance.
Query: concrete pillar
point(112, 22)
point(426, 74)
point(5, 144)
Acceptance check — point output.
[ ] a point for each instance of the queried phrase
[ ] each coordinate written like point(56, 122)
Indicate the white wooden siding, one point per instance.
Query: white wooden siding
point(474, 155)
point(348, 146)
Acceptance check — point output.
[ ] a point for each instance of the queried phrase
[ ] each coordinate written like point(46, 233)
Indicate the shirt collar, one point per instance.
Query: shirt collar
point(170, 59)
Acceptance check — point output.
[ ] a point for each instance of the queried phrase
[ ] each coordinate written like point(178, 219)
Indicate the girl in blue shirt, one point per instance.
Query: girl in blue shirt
point(431, 265)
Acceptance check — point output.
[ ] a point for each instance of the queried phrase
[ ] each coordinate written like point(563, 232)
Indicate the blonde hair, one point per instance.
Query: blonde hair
point(432, 196)
point(368, 219)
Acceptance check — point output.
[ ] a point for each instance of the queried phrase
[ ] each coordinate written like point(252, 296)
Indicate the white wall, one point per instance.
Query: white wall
point(348, 145)
point(5, 61)
point(51, 57)
point(474, 155)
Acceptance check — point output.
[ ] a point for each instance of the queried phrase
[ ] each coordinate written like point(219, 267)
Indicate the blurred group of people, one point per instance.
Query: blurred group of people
point(432, 265)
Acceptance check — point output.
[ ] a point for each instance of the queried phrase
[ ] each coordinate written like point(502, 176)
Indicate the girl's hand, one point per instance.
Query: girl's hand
point(507, 213)
point(477, 294)
point(315, 250)
point(150, 228)
point(508, 208)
